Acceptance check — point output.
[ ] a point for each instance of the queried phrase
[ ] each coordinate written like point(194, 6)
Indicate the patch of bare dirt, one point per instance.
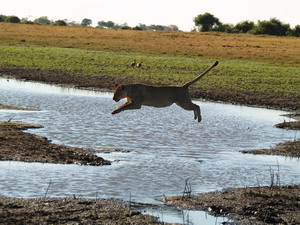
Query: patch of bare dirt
point(293, 115)
point(14, 107)
point(17, 145)
point(289, 148)
point(294, 125)
point(267, 100)
point(253, 205)
point(69, 211)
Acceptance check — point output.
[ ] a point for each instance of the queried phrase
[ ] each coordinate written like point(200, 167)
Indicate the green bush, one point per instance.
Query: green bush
point(295, 32)
point(60, 23)
point(244, 27)
point(3, 18)
point(271, 27)
point(13, 19)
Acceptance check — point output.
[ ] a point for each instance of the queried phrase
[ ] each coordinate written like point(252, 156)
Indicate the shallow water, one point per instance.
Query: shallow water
point(166, 146)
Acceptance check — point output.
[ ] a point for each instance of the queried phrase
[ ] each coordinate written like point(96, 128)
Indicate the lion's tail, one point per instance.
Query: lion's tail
point(198, 78)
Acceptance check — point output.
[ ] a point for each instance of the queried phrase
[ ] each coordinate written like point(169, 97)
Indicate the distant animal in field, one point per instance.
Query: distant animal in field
point(139, 64)
point(157, 96)
point(133, 64)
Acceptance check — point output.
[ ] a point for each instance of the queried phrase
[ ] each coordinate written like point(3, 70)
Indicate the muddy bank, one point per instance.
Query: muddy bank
point(269, 100)
point(289, 148)
point(295, 125)
point(16, 145)
point(254, 205)
point(69, 211)
point(11, 107)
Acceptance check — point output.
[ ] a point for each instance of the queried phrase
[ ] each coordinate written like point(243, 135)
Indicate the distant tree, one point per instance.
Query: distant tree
point(271, 27)
point(110, 24)
point(101, 24)
point(26, 21)
point(142, 26)
point(43, 20)
point(73, 24)
point(206, 22)
point(107, 25)
point(2, 18)
point(171, 28)
point(244, 26)
point(295, 32)
point(13, 19)
point(156, 27)
point(228, 28)
point(137, 28)
point(86, 22)
point(60, 23)
point(126, 27)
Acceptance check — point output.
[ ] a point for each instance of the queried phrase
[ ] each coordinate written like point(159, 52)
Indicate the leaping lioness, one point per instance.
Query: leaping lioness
point(157, 96)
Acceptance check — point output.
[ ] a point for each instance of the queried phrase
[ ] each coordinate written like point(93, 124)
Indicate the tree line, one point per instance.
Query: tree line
point(208, 22)
point(43, 20)
point(203, 23)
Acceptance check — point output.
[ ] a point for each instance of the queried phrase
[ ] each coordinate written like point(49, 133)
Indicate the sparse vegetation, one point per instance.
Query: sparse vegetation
point(251, 205)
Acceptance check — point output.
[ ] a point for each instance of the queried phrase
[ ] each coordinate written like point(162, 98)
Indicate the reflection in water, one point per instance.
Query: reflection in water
point(166, 146)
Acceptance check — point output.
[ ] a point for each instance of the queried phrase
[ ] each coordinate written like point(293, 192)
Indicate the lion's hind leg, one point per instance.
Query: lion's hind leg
point(189, 105)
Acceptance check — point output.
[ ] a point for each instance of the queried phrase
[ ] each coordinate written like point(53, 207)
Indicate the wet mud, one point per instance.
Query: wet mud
point(11, 107)
point(289, 149)
point(253, 205)
point(70, 211)
point(294, 125)
point(16, 145)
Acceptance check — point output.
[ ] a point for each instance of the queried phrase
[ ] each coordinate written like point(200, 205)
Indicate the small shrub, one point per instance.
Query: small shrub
point(271, 27)
point(13, 19)
point(60, 23)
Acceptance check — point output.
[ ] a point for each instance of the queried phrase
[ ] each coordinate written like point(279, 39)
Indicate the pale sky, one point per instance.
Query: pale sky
point(162, 12)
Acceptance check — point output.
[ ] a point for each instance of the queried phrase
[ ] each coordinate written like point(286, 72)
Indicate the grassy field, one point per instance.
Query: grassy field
point(249, 65)
point(238, 75)
point(205, 45)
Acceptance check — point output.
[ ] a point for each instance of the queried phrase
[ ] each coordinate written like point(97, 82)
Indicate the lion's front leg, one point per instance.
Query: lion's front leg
point(126, 106)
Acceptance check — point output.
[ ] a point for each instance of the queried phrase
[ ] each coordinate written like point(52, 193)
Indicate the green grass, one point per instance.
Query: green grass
point(241, 75)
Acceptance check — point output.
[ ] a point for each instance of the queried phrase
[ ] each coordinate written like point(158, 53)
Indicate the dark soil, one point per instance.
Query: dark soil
point(294, 125)
point(17, 145)
point(254, 205)
point(69, 211)
point(14, 107)
point(289, 148)
point(269, 100)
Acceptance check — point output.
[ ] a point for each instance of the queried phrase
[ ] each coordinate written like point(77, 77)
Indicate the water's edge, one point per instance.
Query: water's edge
point(165, 146)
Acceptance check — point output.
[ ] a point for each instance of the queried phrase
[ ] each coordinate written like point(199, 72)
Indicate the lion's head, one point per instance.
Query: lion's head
point(119, 93)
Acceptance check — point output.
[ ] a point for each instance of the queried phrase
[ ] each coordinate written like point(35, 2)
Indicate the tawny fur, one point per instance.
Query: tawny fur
point(157, 96)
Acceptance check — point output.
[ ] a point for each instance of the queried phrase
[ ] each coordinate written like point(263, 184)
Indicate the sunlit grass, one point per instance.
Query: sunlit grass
point(204, 45)
point(241, 75)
